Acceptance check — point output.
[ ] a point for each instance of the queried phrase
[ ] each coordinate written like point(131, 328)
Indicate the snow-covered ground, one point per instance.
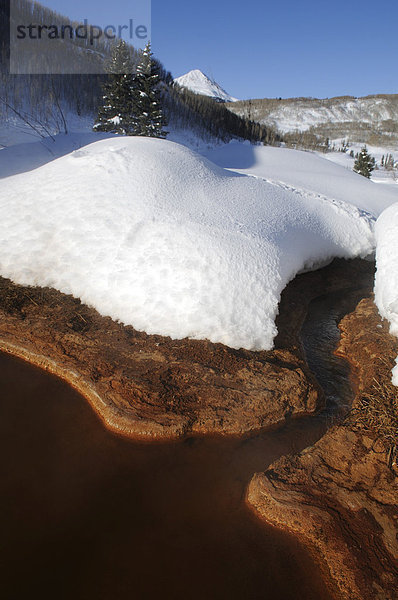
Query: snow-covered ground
point(379, 175)
point(315, 174)
point(386, 282)
point(199, 83)
point(157, 236)
point(24, 147)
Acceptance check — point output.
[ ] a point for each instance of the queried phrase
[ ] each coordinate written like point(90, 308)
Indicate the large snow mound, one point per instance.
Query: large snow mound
point(386, 281)
point(156, 236)
point(306, 171)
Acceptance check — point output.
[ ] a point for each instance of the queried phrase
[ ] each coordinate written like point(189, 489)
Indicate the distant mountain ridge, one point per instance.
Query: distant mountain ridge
point(344, 116)
point(199, 83)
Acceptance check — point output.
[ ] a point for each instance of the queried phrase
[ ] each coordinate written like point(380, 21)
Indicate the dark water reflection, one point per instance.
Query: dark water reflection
point(86, 514)
point(320, 336)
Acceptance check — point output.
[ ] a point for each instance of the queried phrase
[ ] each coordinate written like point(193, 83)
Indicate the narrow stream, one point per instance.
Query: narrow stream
point(89, 515)
point(320, 336)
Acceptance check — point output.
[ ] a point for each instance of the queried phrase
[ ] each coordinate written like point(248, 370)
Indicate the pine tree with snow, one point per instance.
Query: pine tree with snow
point(115, 114)
point(146, 98)
point(364, 163)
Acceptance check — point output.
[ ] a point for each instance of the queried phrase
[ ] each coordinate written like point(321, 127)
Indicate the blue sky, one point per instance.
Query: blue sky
point(258, 49)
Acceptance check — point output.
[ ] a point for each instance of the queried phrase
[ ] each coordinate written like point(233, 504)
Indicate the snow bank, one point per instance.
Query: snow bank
point(386, 282)
point(306, 171)
point(20, 151)
point(156, 236)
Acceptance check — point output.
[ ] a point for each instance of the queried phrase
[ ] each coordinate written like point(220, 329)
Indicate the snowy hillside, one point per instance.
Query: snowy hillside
point(334, 117)
point(199, 83)
point(152, 234)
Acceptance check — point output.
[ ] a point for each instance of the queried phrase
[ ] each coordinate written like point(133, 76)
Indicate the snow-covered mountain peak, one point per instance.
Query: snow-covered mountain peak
point(199, 83)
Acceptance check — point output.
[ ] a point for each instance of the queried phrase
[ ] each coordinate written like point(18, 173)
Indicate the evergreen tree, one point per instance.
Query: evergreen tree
point(364, 163)
point(146, 98)
point(389, 162)
point(115, 115)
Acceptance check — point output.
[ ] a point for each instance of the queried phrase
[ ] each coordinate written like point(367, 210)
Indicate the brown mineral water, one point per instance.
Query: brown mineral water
point(89, 515)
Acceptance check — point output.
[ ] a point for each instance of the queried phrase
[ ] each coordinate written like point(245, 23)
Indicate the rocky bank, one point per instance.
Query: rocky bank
point(340, 496)
point(149, 386)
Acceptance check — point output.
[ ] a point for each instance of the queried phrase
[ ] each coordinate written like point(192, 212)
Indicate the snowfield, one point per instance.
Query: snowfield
point(306, 171)
point(158, 237)
point(386, 282)
point(379, 175)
